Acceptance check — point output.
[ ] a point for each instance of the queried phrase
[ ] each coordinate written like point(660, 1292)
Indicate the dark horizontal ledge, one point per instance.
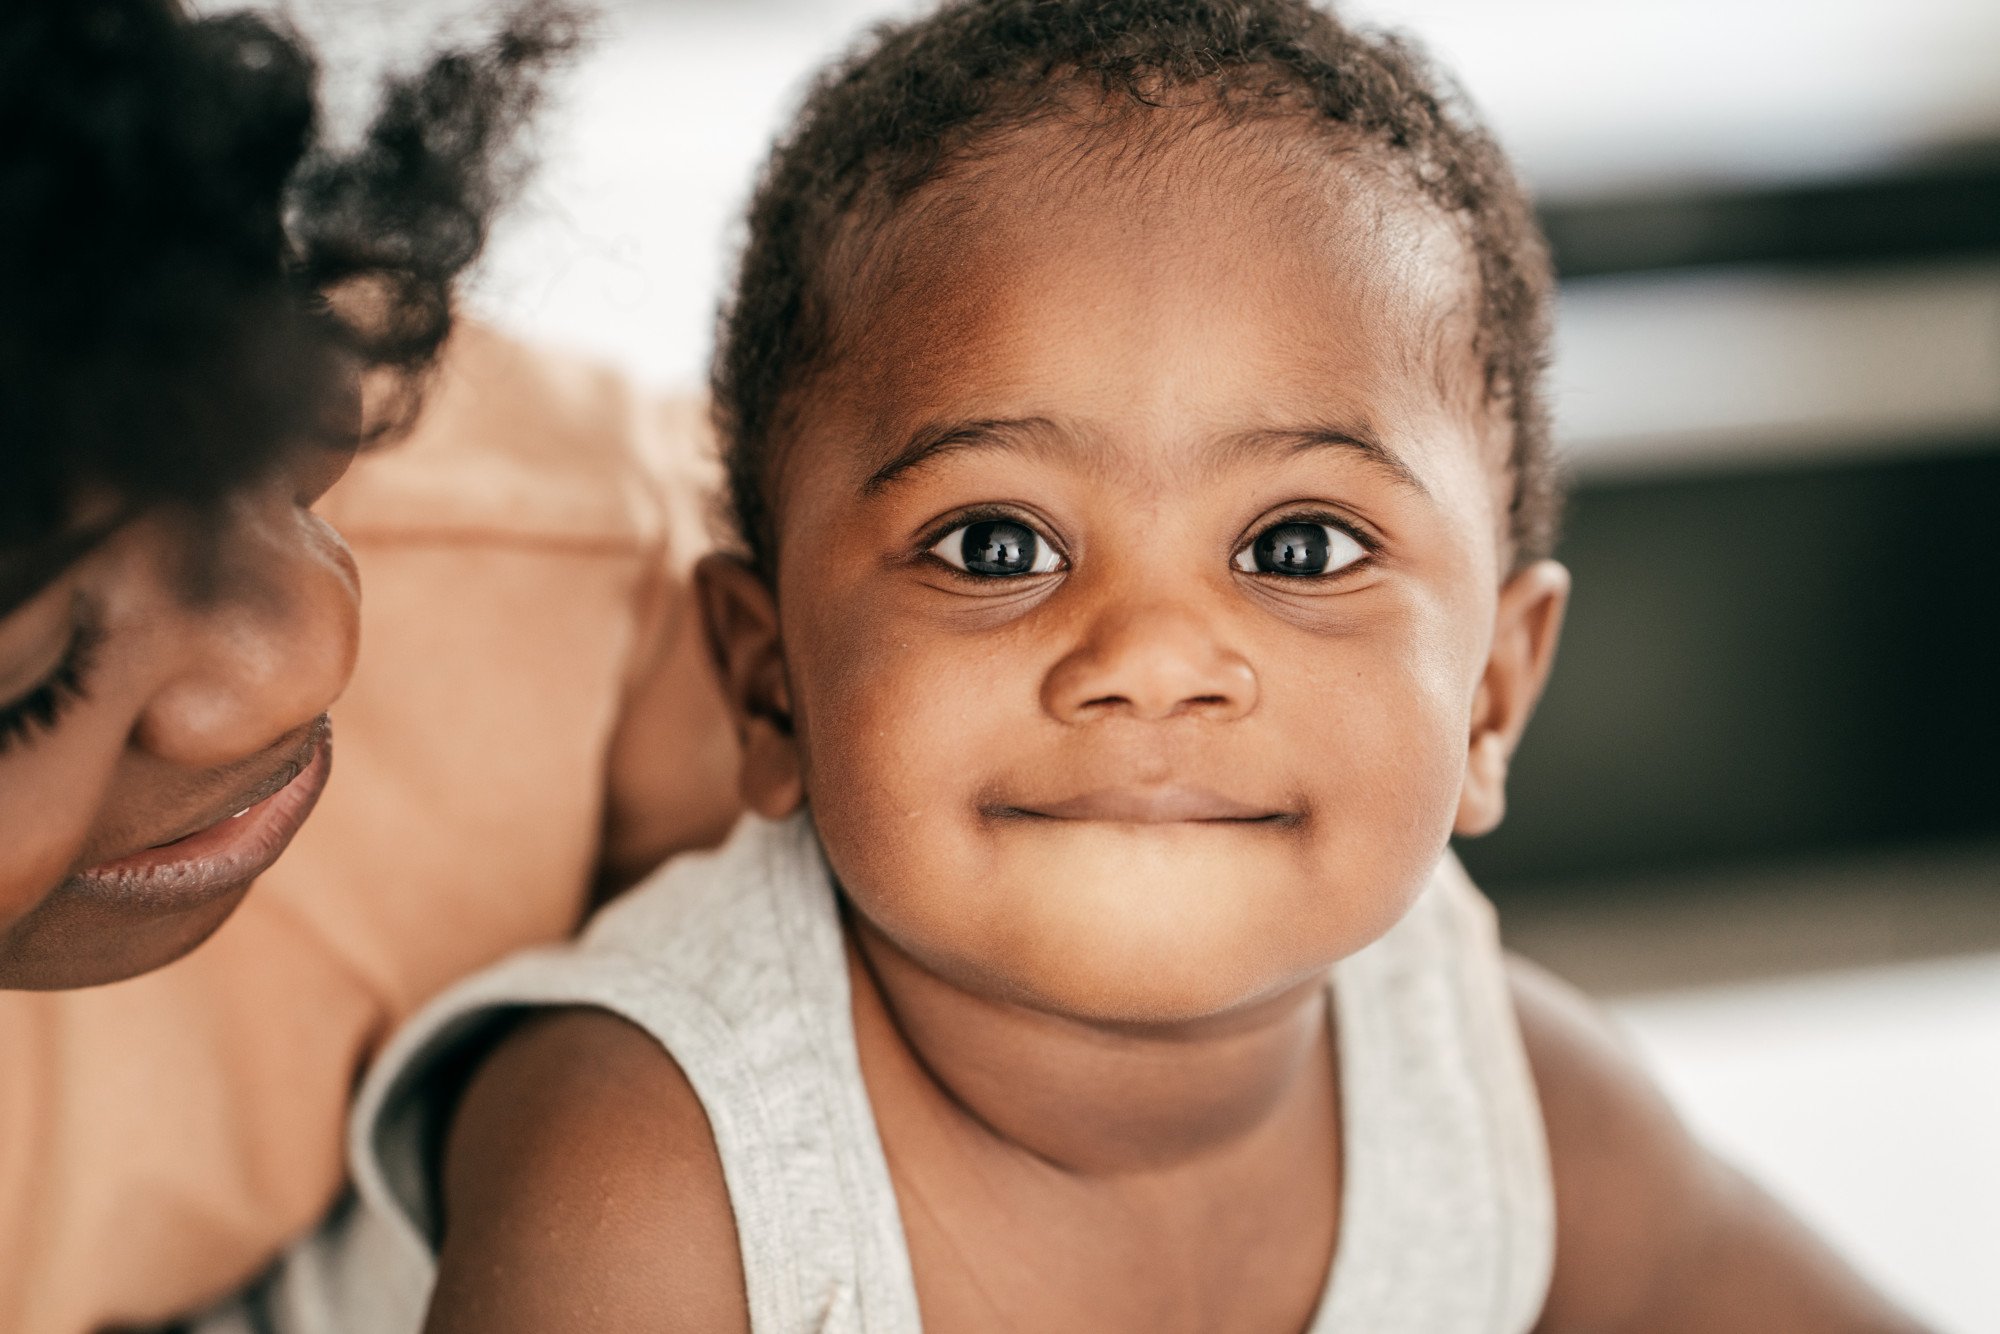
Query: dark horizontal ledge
point(1945, 207)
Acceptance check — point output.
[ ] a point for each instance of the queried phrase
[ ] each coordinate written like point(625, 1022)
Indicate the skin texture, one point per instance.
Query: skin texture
point(1103, 828)
point(220, 643)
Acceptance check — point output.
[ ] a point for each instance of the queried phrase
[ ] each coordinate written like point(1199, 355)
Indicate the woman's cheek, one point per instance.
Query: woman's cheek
point(29, 874)
point(47, 801)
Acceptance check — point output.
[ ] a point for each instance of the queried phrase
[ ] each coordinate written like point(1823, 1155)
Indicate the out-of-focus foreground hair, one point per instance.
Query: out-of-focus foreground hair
point(192, 283)
point(918, 99)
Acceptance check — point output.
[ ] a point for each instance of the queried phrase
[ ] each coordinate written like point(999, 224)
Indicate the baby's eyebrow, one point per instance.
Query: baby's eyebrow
point(935, 439)
point(1303, 439)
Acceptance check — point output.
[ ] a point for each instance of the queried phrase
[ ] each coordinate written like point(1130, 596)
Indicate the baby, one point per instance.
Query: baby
point(1134, 423)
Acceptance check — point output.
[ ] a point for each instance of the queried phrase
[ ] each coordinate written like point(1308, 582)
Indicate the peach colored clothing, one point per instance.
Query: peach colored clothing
point(532, 696)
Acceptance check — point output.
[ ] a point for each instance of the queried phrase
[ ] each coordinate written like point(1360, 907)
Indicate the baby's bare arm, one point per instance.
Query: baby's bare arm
point(1653, 1233)
point(583, 1192)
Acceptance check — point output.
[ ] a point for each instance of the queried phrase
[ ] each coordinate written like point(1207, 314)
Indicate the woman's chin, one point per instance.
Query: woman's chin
point(66, 946)
point(147, 908)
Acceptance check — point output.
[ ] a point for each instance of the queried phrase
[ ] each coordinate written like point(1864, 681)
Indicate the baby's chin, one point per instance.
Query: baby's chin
point(1134, 924)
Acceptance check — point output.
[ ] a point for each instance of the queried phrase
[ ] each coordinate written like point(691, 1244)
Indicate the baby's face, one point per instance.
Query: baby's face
point(1138, 575)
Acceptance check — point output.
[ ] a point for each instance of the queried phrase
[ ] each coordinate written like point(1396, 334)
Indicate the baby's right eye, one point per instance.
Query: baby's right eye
point(997, 549)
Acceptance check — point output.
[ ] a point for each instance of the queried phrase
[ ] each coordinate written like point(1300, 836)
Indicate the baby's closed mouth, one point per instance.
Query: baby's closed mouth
point(1156, 803)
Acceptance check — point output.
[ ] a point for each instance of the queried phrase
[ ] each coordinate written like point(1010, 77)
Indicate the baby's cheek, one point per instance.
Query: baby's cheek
point(1381, 735)
point(888, 733)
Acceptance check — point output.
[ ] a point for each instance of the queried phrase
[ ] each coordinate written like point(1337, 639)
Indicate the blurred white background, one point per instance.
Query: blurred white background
point(620, 246)
point(1870, 1098)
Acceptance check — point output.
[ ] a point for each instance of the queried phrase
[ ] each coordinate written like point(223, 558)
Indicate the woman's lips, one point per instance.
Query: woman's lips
point(1152, 804)
point(223, 857)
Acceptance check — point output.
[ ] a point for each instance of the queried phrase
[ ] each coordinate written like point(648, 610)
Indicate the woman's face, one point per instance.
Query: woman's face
point(163, 725)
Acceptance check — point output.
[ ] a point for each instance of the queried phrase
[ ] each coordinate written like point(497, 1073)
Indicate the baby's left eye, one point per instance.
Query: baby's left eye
point(1299, 550)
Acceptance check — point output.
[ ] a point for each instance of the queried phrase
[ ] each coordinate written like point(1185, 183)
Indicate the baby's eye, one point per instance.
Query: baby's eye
point(1300, 550)
point(997, 549)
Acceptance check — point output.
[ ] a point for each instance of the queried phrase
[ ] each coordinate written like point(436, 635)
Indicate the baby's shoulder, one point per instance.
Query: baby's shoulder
point(583, 1189)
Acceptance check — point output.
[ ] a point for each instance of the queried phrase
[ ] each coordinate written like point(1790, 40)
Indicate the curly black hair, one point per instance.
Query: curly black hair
point(917, 98)
point(192, 284)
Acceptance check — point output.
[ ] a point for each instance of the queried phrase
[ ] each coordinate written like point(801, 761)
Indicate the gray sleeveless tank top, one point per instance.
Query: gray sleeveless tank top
point(733, 961)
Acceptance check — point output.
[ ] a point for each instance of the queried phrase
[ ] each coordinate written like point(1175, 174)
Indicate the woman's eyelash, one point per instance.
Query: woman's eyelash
point(39, 710)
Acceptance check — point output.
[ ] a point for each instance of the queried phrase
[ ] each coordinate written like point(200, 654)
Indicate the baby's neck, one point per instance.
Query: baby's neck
point(1053, 1174)
point(1097, 1100)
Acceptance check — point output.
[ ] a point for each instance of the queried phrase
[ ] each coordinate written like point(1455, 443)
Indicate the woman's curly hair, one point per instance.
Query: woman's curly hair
point(917, 99)
point(192, 284)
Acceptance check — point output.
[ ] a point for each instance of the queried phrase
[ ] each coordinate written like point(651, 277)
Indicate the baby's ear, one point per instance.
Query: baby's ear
point(741, 617)
point(1526, 626)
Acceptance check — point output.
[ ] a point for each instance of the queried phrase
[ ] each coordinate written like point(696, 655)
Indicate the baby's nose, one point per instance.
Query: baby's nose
point(1151, 661)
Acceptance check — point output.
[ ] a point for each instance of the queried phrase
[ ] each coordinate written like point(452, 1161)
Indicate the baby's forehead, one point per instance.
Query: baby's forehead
point(1307, 270)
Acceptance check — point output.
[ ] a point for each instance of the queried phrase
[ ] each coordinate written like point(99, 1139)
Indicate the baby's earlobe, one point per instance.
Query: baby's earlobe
point(1482, 800)
point(1528, 624)
point(769, 781)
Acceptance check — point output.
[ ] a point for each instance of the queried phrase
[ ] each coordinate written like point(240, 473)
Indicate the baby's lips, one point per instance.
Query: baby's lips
point(1149, 803)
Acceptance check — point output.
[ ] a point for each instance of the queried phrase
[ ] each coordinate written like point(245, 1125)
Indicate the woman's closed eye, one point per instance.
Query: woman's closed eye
point(1300, 549)
point(42, 707)
point(997, 549)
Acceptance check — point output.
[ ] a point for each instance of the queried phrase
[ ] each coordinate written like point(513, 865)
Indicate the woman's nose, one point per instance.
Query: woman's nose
point(1151, 660)
point(267, 652)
